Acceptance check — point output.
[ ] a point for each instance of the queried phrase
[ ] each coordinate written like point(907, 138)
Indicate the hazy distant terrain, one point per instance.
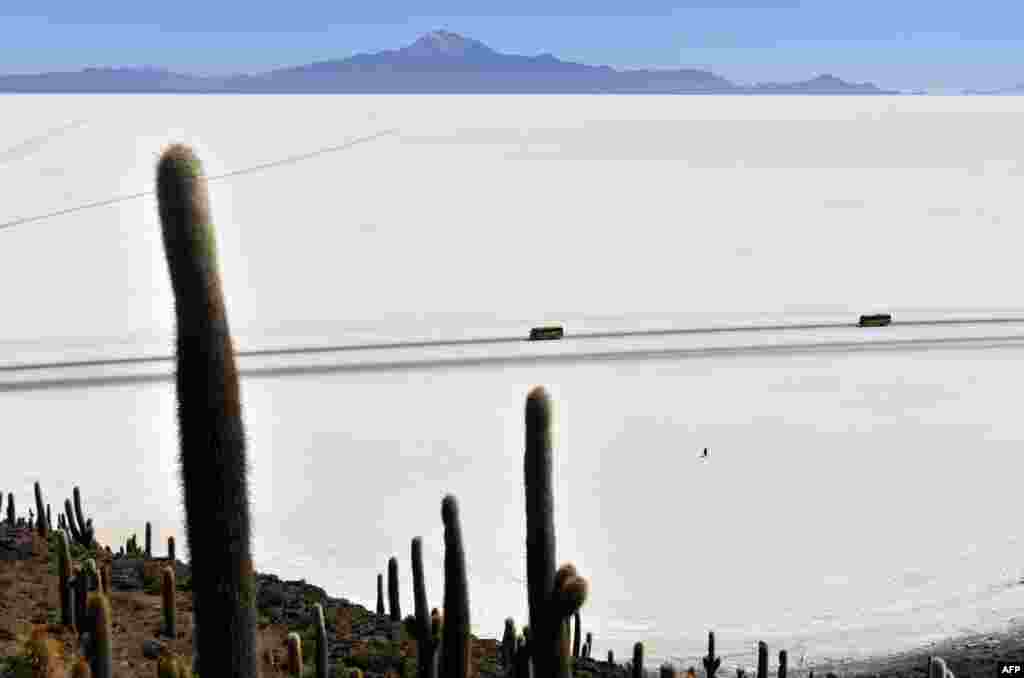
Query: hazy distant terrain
point(438, 62)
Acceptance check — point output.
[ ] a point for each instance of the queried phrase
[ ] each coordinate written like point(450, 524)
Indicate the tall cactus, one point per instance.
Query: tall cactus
point(212, 435)
point(67, 616)
point(149, 540)
point(455, 641)
point(426, 643)
point(553, 596)
point(41, 526)
point(170, 613)
point(783, 663)
point(638, 660)
point(762, 659)
point(321, 641)
point(103, 653)
point(711, 662)
point(10, 509)
point(380, 594)
point(393, 600)
point(75, 534)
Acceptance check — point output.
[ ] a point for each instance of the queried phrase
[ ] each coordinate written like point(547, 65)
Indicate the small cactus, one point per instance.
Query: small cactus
point(67, 615)
point(426, 643)
point(611, 657)
point(49, 521)
point(10, 510)
point(393, 598)
point(508, 645)
point(783, 663)
point(170, 614)
point(321, 641)
point(149, 540)
point(762, 659)
point(41, 526)
point(576, 634)
point(380, 594)
point(638, 660)
point(103, 653)
point(711, 662)
point(294, 665)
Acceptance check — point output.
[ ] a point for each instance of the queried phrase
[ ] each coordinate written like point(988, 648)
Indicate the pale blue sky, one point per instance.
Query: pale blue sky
point(900, 44)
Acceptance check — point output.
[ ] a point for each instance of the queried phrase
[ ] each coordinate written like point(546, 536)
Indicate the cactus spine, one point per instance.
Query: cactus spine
point(553, 596)
point(711, 662)
point(380, 594)
point(638, 660)
point(426, 650)
point(67, 616)
point(321, 641)
point(294, 665)
point(103, 655)
point(212, 435)
point(40, 512)
point(762, 659)
point(393, 600)
point(170, 614)
point(783, 663)
point(455, 642)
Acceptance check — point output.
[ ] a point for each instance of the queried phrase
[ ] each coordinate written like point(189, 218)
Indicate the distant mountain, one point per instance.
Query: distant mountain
point(1016, 90)
point(438, 62)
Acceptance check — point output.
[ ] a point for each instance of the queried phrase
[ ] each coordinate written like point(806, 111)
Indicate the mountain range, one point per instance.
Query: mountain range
point(439, 62)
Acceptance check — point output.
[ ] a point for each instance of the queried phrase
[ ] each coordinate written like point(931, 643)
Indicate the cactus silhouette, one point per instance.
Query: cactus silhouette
point(393, 599)
point(149, 540)
point(508, 645)
point(321, 641)
point(10, 509)
point(711, 662)
point(783, 663)
point(762, 659)
point(75, 534)
point(455, 642)
point(589, 644)
point(49, 521)
point(40, 511)
point(611, 657)
point(576, 633)
point(170, 614)
point(553, 596)
point(171, 555)
point(294, 665)
point(380, 594)
point(103, 653)
point(212, 436)
point(638, 660)
point(79, 516)
point(426, 646)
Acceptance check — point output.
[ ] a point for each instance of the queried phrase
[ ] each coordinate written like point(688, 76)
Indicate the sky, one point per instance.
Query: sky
point(906, 44)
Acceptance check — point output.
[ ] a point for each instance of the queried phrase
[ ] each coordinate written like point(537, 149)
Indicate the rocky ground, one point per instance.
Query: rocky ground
point(358, 638)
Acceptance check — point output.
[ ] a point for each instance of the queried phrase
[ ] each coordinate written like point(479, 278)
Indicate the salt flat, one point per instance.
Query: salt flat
point(853, 503)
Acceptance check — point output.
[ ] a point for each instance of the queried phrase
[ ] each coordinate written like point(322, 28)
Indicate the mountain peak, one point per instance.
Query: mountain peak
point(444, 44)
